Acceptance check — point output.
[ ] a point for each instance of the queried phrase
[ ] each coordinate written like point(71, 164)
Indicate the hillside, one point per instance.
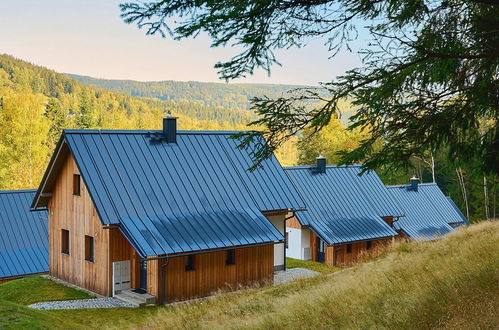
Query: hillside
point(36, 104)
point(235, 96)
point(449, 283)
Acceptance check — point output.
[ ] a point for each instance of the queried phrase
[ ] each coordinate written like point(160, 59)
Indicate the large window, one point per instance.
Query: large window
point(349, 248)
point(189, 263)
point(229, 258)
point(76, 185)
point(89, 248)
point(65, 241)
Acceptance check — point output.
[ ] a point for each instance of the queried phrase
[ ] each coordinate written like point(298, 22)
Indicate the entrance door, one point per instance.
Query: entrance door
point(143, 276)
point(321, 251)
point(121, 276)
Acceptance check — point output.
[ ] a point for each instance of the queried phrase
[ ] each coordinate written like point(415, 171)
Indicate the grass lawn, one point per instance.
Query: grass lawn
point(448, 283)
point(312, 265)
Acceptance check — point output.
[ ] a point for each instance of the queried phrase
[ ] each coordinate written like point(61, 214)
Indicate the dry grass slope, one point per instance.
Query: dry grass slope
point(449, 283)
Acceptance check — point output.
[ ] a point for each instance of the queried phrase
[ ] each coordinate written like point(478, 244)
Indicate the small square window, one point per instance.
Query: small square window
point(189, 263)
point(229, 258)
point(349, 248)
point(65, 241)
point(369, 245)
point(76, 185)
point(89, 248)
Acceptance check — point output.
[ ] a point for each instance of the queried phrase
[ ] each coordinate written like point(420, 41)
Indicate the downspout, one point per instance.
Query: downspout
point(163, 281)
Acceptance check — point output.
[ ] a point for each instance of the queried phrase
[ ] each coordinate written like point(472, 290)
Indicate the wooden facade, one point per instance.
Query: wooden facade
point(211, 273)
point(77, 214)
point(338, 255)
point(341, 257)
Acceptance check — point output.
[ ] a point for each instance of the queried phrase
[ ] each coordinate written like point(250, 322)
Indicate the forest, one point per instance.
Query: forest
point(36, 104)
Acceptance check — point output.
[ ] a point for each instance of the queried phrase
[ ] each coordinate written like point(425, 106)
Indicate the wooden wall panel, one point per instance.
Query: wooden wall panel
point(344, 258)
point(78, 215)
point(293, 223)
point(252, 264)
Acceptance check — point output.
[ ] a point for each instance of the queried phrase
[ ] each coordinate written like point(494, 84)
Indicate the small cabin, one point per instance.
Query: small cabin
point(174, 214)
point(23, 236)
point(346, 214)
point(429, 214)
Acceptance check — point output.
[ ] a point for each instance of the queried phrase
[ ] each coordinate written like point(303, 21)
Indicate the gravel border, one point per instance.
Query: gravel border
point(81, 303)
point(293, 274)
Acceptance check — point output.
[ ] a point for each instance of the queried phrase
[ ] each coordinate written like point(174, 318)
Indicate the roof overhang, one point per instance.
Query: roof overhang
point(42, 195)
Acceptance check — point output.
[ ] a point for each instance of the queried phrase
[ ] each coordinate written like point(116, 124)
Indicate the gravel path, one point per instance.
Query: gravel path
point(82, 303)
point(293, 274)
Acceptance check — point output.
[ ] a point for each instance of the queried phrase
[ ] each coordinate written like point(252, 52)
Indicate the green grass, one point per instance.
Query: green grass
point(312, 265)
point(30, 290)
point(449, 283)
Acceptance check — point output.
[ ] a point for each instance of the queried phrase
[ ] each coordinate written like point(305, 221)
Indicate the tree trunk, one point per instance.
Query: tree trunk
point(459, 173)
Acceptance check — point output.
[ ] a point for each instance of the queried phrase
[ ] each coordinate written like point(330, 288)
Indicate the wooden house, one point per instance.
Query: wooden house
point(346, 214)
point(429, 214)
point(172, 213)
point(23, 236)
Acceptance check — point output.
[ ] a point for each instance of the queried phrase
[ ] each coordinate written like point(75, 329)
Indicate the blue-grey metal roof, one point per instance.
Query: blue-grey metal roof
point(343, 207)
point(465, 220)
point(428, 212)
point(198, 189)
point(23, 235)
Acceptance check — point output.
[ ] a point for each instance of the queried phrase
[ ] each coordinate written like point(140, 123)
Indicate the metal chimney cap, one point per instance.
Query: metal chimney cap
point(169, 114)
point(320, 157)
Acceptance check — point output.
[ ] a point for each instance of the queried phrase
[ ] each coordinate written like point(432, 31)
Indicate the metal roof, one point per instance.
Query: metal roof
point(198, 188)
point(343, 207)
point(465, 220)
point(428, 211)
point(23, 235)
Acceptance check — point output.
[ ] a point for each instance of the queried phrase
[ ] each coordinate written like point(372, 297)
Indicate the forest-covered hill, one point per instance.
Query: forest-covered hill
point(36, 104)
point(234, 96)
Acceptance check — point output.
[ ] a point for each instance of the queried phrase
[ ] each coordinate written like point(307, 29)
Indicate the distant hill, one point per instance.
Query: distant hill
point(37, 103)
point(235, 96)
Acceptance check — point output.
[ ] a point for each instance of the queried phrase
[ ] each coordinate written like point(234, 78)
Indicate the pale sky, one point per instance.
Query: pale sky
point(88, 37)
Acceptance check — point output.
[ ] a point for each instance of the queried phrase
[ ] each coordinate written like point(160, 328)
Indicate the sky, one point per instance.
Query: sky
point(88, 37)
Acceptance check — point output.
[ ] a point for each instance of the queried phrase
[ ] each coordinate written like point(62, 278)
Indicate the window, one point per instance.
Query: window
point(229, 258)
point(89, 248)
point(369, 245)
point(349, 248)
point(76, 184)
point(189, 263)
point(65, 241)
point(286, 237)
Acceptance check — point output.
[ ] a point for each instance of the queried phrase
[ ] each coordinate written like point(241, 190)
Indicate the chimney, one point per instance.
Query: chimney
point(321, 164)
point(414, 184)
point(170, 128)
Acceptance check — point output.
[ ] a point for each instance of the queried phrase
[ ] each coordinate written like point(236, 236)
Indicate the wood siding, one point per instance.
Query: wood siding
point(344, 258)
point(252, 264)
point(293, 223)
point(77, 214)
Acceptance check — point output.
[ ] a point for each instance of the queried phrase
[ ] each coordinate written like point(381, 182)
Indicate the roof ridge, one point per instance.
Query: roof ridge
point(305, 167)
point(181, 132)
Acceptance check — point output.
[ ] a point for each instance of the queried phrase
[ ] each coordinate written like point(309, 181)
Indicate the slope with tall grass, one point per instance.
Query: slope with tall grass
point(448, 283)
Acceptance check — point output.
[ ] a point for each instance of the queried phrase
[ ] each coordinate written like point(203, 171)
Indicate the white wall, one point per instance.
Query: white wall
point(278, 222)
point(298, 241)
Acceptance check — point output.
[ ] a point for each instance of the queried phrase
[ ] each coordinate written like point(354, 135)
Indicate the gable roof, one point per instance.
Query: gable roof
point(465, 220)
point(343, 207)
point(428, 211)
point(23, 235)
point(177, 197)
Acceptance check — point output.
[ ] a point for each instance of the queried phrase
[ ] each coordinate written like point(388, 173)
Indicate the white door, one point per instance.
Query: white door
point(121, 276)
